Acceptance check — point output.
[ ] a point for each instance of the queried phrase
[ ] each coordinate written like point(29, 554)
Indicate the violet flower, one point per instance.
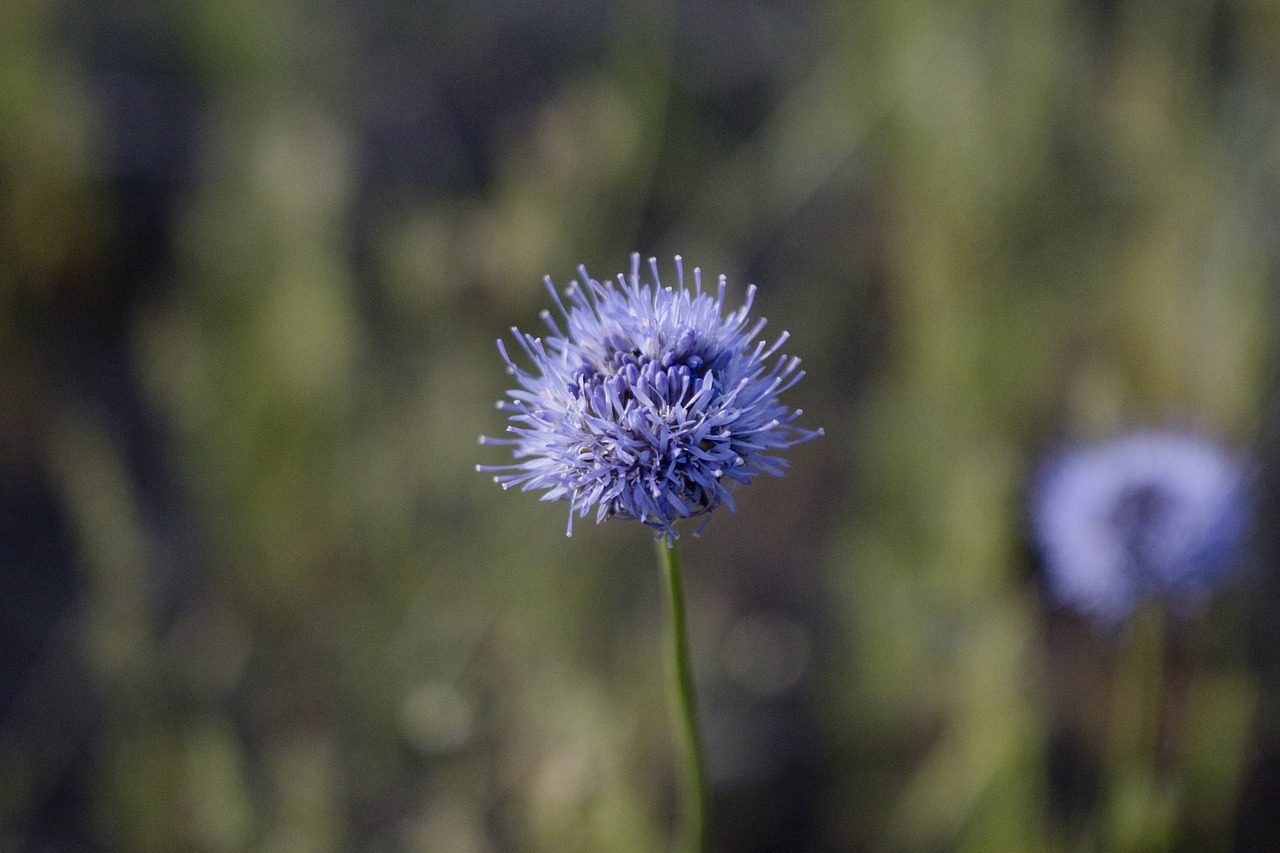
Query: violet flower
point(646, 402)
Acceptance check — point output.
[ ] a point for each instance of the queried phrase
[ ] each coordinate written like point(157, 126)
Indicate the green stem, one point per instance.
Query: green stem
point(1141, 816)
point(684, 704)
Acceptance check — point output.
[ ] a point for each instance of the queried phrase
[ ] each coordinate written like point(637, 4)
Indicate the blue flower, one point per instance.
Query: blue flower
point(1148, 515)
point(649, 403)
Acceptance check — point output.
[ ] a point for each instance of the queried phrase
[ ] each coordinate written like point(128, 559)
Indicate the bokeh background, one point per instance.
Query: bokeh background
point(253, 261)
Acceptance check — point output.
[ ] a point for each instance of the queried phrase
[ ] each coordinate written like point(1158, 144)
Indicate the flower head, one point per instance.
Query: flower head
point(649, 403)
point(1151, 514)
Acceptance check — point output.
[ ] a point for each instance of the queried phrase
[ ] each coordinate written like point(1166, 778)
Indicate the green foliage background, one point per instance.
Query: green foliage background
point(989, 226)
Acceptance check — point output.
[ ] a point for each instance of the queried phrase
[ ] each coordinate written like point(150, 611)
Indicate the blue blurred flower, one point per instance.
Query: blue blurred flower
point(1151, 514)
point(650, 403)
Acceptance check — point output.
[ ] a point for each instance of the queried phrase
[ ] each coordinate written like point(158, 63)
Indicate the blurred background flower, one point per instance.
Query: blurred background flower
point(254, 259)
point(1146, 515)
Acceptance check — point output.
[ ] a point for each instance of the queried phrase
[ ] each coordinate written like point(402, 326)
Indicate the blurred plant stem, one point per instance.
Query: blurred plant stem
point(684, 705)
point(1141, 795)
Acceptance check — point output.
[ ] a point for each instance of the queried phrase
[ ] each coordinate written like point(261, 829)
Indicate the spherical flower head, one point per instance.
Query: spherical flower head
point(1147, 515)
point(649, 402)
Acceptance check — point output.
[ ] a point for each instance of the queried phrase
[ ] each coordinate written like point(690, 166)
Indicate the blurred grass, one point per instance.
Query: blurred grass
point(990, 227)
